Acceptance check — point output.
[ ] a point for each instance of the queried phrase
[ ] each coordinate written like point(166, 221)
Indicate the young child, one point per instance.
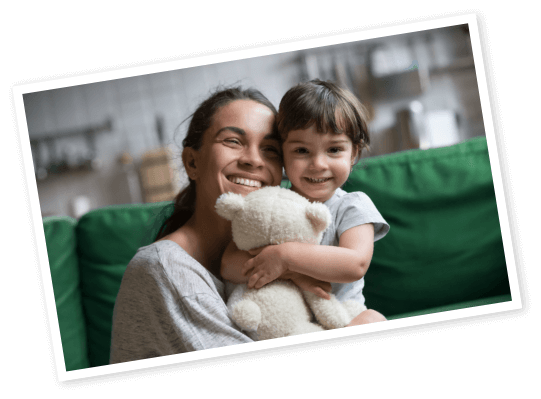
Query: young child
point(323, 129)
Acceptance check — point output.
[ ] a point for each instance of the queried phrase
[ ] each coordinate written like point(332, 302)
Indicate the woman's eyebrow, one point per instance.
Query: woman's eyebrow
point(234, 129)
point(238, 130)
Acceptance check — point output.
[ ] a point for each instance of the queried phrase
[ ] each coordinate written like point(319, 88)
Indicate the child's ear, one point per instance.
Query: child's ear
point(355, 155)
point(190, 160)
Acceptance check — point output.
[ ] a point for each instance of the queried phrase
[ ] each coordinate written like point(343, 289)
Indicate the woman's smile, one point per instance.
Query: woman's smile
point(245, 181)
point(240, 152)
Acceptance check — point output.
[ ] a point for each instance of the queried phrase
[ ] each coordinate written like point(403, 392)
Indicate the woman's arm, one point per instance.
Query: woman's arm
point(234, 259)
point(343, 264)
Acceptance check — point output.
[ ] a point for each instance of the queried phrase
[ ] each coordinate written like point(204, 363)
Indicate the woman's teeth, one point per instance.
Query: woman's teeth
point(245, 182)
point(317, 180)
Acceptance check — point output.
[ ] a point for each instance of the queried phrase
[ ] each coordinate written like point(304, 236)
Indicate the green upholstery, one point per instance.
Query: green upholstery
point(445, 243)
point(444, 250)
point(111, 237)
point(64, 267)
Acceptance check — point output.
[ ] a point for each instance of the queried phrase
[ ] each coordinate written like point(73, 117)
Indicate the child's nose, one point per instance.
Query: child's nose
point(319, 161)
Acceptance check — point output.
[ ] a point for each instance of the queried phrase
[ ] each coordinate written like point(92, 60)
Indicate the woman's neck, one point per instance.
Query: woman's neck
point(205, 237)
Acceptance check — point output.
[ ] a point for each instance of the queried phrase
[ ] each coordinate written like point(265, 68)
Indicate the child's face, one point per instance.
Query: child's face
point(316, 163)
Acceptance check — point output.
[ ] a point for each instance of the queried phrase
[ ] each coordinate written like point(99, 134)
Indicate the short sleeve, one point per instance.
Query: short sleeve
point(356, 209)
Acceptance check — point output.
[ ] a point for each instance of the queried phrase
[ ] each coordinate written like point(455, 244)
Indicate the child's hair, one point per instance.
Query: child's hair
point(328, 106)
point(201, 119)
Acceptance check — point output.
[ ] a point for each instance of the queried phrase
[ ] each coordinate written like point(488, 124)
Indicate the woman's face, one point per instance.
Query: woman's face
point(238, 154)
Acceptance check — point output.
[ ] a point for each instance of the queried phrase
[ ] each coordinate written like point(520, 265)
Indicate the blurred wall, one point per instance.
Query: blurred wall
point(420, 88)
point(132, 104)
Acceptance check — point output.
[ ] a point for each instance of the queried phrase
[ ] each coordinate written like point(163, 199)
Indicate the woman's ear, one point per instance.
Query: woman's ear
point(190, 161)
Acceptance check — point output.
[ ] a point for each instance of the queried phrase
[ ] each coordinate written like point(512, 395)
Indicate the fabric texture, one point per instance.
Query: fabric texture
point(64, 267)
point(168, 303)
point(445, 245)
point(350, 210)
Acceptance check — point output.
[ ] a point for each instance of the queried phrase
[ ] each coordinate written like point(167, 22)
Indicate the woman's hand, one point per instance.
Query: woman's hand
point(265, 267)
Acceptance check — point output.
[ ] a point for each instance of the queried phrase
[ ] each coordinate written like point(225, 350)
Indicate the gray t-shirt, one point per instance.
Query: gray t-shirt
point(169, 303)
point(350, 210)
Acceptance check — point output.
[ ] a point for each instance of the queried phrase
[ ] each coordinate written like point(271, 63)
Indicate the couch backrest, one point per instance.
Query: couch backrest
point(64, 267)
point(87, 260)
point(107, 240)
point(445, 244)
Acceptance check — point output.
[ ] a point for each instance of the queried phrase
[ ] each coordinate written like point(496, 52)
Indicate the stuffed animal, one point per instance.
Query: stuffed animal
point(274, 215)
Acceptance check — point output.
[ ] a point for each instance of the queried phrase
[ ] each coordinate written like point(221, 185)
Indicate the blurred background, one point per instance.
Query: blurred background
point(119, 141)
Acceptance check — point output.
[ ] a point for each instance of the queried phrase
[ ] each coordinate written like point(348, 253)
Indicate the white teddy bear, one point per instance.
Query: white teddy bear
point(274, 215)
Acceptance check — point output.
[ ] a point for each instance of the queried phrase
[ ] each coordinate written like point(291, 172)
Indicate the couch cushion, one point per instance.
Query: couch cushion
point(62, 253)
point(107, 240)
point(445, 243)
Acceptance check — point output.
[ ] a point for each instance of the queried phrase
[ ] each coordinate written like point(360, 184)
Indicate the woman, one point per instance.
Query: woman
point(172, 298)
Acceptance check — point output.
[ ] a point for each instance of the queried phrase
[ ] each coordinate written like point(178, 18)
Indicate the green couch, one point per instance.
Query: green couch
point(444, 250)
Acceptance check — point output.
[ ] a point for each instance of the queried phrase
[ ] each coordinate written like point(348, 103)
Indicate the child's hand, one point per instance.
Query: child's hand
point(267, 266)
point(310, 284)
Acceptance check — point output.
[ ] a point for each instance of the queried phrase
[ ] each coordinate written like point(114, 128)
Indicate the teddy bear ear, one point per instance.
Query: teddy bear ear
point(227, 205)
point(319, 216)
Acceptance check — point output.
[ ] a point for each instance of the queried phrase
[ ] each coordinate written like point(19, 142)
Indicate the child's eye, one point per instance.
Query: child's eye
point(301, 150)
point(335, 150)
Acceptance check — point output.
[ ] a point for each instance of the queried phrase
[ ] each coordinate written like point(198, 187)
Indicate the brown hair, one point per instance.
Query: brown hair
point(201, 119)
point(328, 106)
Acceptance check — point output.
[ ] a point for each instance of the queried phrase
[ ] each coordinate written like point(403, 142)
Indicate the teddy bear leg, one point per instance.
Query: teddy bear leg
point(330, 313)
point(247, 315)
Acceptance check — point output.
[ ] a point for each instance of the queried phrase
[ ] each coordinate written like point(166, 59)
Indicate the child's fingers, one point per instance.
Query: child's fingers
point(247, 267)
point(319, 292)
point(254, 281)
point(255, 251)
point(325, 286)
point(323, 294)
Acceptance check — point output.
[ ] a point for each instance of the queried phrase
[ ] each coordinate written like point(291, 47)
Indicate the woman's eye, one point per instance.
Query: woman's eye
point(232, 141)
point(272, 150)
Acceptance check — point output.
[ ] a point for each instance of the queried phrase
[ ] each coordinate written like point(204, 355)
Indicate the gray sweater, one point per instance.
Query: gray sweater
point(169, 303)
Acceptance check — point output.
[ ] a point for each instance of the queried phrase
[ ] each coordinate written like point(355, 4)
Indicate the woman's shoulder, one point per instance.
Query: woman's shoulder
point(167, 262)
point(157, 249)
point(165, 254)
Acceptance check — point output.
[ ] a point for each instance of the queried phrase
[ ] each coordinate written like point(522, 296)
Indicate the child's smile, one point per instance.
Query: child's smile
point(317, 163)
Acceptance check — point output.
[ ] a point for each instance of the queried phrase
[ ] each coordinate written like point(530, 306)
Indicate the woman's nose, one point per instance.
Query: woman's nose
point(252, 156)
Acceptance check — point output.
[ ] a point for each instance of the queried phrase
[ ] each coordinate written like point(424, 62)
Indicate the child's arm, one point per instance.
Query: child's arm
point(231, 269)
point(343, 264)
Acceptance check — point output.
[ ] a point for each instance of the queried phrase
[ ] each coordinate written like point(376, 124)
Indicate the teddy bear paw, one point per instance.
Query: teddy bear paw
point(247, 315)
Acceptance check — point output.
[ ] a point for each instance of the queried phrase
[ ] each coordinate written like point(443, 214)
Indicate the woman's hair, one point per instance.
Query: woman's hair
point(201, 119)
point(329, 107)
